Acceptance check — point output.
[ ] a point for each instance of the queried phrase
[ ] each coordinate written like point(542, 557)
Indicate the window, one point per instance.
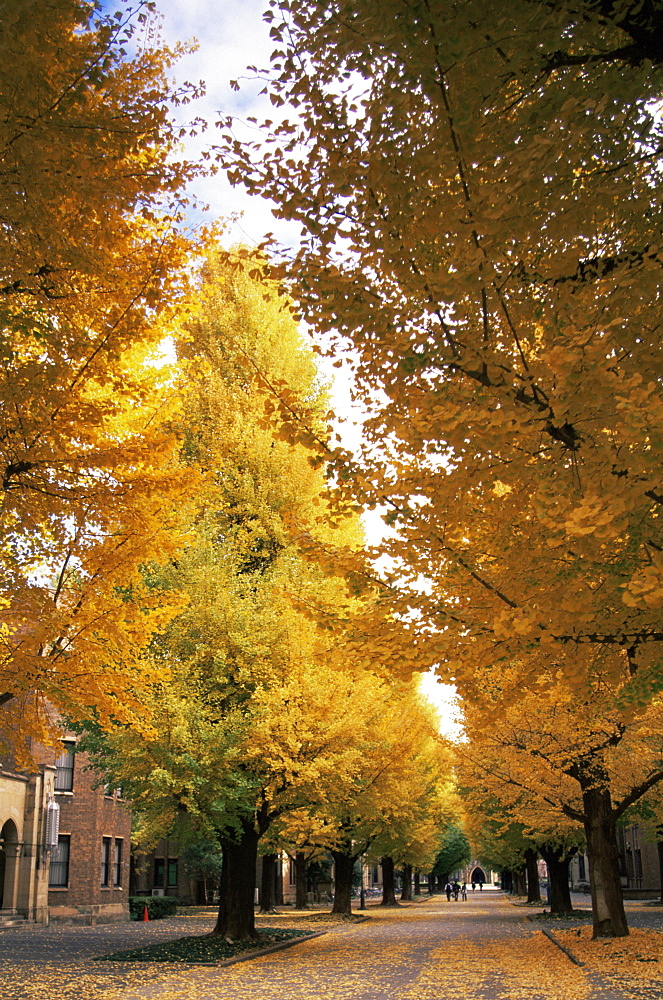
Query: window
point(581, 868)
point(172, 871)
point(159, 872)
point(292, 872)
point(106, 860)
point(117, 863)
point(64, 768)
point(58, 875)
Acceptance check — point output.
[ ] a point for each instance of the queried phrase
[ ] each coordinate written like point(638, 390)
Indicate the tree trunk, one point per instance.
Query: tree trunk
point(278, 882)
point(236, 919)
point(388, 894)
point(431, 884)
point(417, 882)
point(343, 868)
point(267, 883)
point(300, 880)
point(532, 869)
point(659, 848)
point(406, 891)
point(600, 832)
point(519, 885)
point(558, 861)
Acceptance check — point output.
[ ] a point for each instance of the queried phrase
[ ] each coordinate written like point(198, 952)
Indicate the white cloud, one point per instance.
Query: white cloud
point(230, 37)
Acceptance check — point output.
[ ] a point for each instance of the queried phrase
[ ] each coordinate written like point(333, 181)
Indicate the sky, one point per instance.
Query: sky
point(231, 36)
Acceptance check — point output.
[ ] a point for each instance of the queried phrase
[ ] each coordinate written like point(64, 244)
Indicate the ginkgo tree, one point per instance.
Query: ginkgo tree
point(512, 847)
point(402, 792)
point(93, 268)
point(562, 769)
point(479, 193)
point(251, 718)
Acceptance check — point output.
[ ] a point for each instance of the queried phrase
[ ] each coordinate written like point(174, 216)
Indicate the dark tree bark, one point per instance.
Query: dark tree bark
point(343, 868)
point(506, 879)
point(300, 880)
point(659, 848)
point(417, 882)
point(388, 894)
point(532, 870)
point(558, 861)
point(406, 891)
point(431, 884)
point(267, 883)
point(278, 885)
point(519, 883)
point(601, 835)
point(236, 918)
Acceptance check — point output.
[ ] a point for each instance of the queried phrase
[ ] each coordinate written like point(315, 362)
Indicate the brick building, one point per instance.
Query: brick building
point(64, 844)
point(161, 872)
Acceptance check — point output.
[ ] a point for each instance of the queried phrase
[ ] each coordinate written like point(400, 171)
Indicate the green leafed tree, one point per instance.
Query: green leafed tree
point(249, 718)
point(453, 853)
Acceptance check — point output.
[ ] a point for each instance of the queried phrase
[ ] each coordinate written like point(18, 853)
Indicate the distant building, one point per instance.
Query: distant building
point(639, 866)
point(638, 860)
point(476, 872)
point(161, 872)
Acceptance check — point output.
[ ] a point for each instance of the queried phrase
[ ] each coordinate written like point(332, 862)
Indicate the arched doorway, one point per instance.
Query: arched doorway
point(478, 875)
point(8, 865)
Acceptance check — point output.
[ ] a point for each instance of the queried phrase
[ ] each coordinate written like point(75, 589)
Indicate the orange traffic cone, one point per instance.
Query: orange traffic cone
point(146, 914)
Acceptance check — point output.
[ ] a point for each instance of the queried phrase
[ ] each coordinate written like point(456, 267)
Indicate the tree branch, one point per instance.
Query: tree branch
point(637, 793)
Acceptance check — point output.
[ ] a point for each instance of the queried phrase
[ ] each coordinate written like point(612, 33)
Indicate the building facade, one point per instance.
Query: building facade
point(64, 843)
point(24, 855)
point(639, 864)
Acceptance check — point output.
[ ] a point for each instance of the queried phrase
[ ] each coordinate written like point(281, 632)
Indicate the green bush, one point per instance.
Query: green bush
point(157, 906)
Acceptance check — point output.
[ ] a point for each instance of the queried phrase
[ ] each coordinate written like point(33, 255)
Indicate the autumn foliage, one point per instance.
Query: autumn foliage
point(479, 192)
point(260, 718)
point(91, 277)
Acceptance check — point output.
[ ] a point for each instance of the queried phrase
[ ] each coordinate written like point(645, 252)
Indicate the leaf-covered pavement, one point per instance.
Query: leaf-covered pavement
point(483, 949)
point(203, 949)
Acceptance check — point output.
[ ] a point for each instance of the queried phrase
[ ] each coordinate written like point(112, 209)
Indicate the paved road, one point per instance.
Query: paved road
point(484, 949)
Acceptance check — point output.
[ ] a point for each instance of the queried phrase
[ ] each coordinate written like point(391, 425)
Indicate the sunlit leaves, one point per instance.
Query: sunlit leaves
point(478, 191)
point(92, 274)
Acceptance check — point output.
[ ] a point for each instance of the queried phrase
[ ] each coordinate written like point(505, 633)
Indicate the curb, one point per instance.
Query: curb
point(280, 946)
point(558, 944)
